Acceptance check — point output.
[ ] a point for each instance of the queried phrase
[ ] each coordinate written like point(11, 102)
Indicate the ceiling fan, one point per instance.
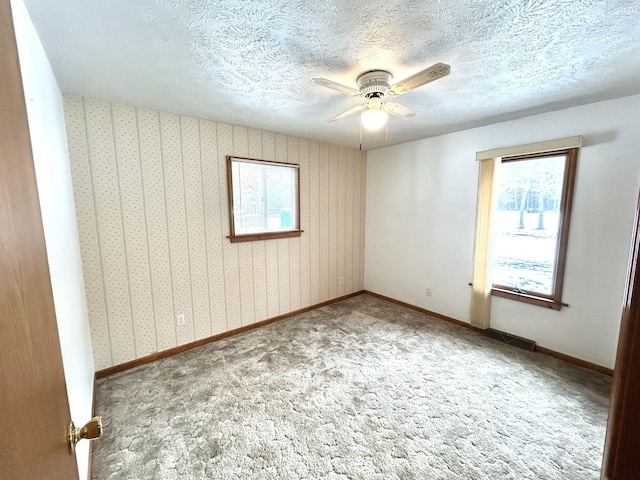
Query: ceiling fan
point(374, 85)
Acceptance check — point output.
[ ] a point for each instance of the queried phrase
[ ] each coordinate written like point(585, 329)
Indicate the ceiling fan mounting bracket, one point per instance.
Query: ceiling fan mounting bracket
point(374, 83)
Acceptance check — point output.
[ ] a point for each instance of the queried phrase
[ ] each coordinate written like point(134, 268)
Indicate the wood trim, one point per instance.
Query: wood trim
point(526, 298)
point(198, 343)
point(544, 153)
point(93, 400)
point(425, 311)
point(90, 466)
point(188, 346)
point(553, 301)
point(574, 360)
point(544, 351)
point(259, 161)
point(232, 220)
point(261, 235)
point(264, 236)
point(93, 414)
point(621, 459)
point(565, 220)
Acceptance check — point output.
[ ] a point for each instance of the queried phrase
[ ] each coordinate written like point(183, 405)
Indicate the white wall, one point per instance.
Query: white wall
point(420, 222)
point(48, 137)
point(151, 193)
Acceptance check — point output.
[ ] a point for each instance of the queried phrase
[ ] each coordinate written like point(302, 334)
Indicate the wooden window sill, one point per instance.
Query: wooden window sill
point(254, 237)
point(528, 298)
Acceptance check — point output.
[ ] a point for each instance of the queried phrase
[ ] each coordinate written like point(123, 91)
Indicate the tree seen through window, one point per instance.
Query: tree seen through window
point(527, 223)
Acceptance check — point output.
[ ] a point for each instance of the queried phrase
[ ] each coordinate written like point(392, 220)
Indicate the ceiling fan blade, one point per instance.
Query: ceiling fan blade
point(399, 110)
point(337, 86)
point(434, 72)
point(351, 111)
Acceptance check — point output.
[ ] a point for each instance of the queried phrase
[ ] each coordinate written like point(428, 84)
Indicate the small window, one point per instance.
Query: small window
point(531, 226)
point(264, 199)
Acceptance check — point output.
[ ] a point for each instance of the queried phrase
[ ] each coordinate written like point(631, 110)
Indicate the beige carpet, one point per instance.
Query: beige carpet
point(362, 389)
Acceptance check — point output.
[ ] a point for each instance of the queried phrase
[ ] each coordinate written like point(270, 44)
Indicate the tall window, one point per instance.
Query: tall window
point(531, 226)
point(264, 199)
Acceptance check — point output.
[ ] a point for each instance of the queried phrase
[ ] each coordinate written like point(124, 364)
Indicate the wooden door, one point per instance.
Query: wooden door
point(34, 410)
point(622, 446)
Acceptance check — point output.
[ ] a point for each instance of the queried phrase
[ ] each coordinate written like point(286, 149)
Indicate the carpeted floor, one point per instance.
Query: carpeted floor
point(362, 389)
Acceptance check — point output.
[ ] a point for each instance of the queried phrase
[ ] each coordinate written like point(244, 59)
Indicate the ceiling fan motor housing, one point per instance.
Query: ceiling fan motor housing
point(374, 83)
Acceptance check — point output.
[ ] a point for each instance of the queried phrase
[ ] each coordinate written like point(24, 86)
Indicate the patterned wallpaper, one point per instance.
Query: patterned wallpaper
point(151, 200)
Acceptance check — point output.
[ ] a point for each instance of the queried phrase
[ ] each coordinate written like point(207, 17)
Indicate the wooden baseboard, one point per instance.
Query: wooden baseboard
point(425, 311)
point(574, 360)
point(198, 343)
point(538, 349)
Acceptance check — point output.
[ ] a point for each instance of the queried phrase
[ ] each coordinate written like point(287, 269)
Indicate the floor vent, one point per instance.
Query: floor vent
point(518, 342)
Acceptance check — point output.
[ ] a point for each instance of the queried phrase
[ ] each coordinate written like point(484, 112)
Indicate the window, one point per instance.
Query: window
point(531, 226)
point(264, 199)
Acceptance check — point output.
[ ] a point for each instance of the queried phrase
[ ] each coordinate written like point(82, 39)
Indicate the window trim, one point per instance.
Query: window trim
point(252, 237)
point(553, 301)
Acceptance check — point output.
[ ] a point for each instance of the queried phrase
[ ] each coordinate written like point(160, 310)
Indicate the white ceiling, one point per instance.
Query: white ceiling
point(251, 62)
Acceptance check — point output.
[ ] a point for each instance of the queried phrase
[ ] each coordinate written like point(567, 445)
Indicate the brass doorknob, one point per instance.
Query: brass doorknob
point(92, 429)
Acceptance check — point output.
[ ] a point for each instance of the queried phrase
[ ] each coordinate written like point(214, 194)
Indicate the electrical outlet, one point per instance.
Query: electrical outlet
point(340, 280)
point(180, 320)
point(427, 292)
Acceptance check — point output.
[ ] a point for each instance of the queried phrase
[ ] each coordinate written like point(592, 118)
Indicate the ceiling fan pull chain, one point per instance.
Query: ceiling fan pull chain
point(386, 134)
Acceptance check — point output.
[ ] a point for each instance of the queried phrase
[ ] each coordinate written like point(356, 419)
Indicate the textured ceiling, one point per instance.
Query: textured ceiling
point(251, 62)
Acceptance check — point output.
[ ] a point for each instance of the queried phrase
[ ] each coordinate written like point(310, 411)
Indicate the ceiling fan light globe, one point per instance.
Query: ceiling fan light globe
point(374, 119)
